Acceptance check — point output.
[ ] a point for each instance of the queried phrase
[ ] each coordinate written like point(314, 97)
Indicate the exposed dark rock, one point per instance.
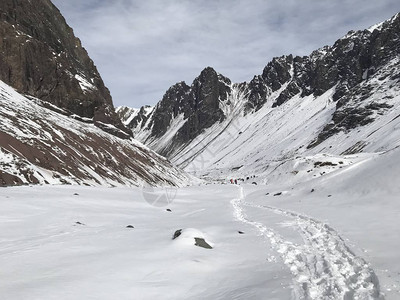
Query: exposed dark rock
point(344, 119)
point(174, 102)
point(200, 242)
point(324, 163)
point(112, 130)
point(277, 72)
point(258, 93)
point(291, 90)
point(378, 106)
point(198, 103)
point(177, 234)
point(41, 57)
point(7, 179)
point(356, 148)
point(237, 168)
point(130, 226)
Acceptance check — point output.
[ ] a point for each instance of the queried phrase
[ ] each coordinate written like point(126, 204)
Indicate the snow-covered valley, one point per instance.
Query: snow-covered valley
point(329, 237)
point(341, 100)
point(283, 187)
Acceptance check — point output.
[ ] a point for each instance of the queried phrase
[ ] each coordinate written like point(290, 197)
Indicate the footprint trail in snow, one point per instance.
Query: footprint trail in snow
point(323, 267)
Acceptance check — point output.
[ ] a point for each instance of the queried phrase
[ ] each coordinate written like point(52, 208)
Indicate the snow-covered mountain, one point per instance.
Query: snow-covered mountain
point(39, 145)
point(339, 100)
point(133, 117)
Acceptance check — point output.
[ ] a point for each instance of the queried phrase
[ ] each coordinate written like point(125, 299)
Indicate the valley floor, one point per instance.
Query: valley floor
point(70, 242)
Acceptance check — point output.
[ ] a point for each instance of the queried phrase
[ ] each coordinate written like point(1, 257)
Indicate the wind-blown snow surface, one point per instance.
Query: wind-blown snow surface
point(332, 237)
point(39, 145)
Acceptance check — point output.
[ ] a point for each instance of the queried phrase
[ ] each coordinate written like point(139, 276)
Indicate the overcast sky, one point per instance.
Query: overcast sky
point(142, 47)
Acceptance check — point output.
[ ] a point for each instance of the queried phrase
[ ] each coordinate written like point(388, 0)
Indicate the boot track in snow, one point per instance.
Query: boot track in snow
point(323, 267)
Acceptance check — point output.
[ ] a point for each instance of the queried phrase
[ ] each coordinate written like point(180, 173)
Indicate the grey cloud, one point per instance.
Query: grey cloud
point(143, 47)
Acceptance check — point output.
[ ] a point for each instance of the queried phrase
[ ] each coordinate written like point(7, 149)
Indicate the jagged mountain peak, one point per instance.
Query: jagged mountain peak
point(209, 88)
point(178, 85)
point(297, 105)
point(209, 73)
point(176, 89)
point(278, 71)
point(187, 110)
point(381, 25)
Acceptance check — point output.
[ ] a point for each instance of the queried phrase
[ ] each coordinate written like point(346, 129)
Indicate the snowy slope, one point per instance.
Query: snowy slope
point(331, 237)
point(134, 118)
point(342, 99)
point(126, 114)
point(255, 144)
point(39, 145)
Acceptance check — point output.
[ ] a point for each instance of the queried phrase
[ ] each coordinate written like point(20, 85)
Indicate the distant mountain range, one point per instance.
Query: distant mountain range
point(341, 99)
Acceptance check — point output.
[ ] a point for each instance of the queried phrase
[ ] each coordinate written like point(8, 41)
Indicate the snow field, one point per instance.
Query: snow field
point(329, 237)
point(46, 254)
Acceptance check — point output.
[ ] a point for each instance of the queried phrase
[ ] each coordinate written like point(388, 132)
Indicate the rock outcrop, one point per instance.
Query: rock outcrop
point(192, 109)
point(41, 57)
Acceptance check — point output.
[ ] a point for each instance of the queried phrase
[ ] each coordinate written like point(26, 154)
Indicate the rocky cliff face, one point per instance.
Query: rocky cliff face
point(344, 92)
point(198, 105)
point(41, 57)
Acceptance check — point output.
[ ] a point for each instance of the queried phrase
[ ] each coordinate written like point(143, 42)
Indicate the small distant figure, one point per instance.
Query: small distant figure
point(231, 181)
point(235, 181)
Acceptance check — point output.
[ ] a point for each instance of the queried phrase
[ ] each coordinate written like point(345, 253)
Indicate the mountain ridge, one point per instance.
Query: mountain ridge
point(41, 57)
point(40, 146)
point(343, 80)
point(57, 120)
